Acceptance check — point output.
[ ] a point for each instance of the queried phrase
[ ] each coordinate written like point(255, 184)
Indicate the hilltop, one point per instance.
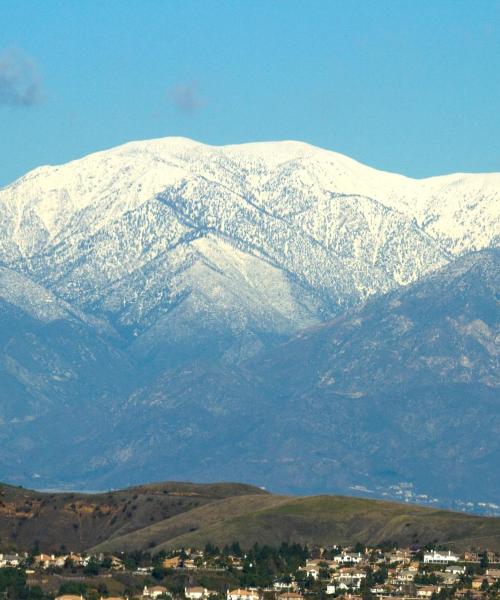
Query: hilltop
point(173, 515)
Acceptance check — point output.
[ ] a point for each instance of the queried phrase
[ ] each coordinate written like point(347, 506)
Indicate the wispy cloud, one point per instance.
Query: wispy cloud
point(20, 82)
point(185, 97)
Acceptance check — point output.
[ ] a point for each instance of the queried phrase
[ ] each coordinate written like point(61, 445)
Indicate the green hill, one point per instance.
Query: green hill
point(317, 520)
point(175, 515)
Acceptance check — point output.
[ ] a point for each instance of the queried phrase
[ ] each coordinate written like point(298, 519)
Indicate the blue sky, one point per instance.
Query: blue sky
point(407, 86)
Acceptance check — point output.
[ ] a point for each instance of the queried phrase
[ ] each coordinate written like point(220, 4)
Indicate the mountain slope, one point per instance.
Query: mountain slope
point(398, 397)
point(80, 521)
point(321, 519)
point(174, 515)
point(50, 353)
point(404, 389)
point(148, 295)
point(162, 233)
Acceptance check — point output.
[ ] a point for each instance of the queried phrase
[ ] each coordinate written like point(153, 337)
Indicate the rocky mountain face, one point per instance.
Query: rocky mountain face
point(398, 398)
point(150, 295)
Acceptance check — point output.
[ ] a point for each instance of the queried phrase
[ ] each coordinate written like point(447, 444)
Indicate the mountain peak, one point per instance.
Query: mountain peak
point(144, 278)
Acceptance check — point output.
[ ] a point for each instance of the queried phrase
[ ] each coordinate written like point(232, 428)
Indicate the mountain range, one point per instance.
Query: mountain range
point(273, 313)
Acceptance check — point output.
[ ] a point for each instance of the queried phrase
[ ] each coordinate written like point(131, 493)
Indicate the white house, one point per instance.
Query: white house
point(440, 558)
point(330, 589)
point(10, 560)
point(456, 569)
point(282, 586)
point(348, 558)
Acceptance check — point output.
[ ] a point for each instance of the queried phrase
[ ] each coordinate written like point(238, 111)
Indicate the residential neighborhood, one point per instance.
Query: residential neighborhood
point(292, 572)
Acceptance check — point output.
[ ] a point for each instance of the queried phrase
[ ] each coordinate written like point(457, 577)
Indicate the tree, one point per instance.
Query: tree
point(92, 567)
point(484, 562)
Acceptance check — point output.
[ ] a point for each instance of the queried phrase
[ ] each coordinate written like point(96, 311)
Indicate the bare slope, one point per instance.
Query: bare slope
point(79, 521)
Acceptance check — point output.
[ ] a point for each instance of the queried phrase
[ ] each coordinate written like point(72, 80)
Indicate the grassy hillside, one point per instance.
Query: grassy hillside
point(174, 515)
point(328, 519)
point(79, 521)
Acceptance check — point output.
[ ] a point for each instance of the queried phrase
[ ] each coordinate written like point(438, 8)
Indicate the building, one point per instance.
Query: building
point(10, 560)
point(350, 578)
point(172, 563)
point(349, 558)
point(426, 591)
point(493, 573)
point(242, 594)
point(456, 569)
point(440, 558)
point(282, 586)
point(155, 591)
point(196, 593)
point(290, 596)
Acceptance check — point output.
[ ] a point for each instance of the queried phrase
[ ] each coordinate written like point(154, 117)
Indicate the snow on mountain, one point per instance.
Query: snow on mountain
point(260, 238)
point(140, 284)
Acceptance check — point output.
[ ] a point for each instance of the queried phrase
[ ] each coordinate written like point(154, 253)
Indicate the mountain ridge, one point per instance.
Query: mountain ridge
point(171, 515)
point(185, 268)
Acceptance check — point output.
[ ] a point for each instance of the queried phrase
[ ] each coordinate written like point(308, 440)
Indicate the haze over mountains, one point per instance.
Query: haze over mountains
point(175, 310)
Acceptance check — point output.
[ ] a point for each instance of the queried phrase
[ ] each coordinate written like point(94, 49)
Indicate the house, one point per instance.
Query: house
point(350, 558)
point(117, 564)
point(44, 561)
point(450, 578)
point(290, 596)
point(283, 586)
point(478, 581)
point(426, 591)
point(406, 576)
point(172, 563)
point(143, 570)
point(312, 568)
point(69, 597)
point(398, 556)
point(75, 559)
point(242, 594)
point(455, 569)
point(196, 593)
point(471, 557)
point(330, 589)
point(10, 560)
point(378, 590)
point(493, 573)
point(155, 591)
point(440, 558)
point(350, 578)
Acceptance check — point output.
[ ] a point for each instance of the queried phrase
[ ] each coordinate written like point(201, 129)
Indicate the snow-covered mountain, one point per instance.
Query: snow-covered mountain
point(255, 240)
point(269, 236)
point(146, 292)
